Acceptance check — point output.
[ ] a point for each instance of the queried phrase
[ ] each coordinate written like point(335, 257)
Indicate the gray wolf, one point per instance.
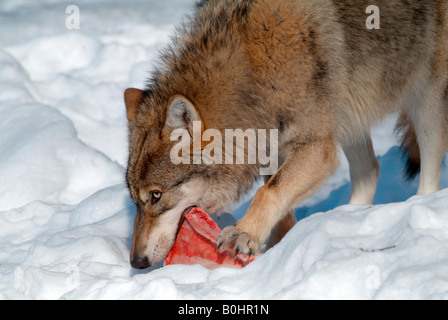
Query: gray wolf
point(308, 68)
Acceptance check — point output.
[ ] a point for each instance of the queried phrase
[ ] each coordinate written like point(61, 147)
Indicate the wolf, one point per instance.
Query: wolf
point(310, 69)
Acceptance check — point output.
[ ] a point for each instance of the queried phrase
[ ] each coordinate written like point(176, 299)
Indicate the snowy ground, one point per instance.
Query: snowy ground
point(65, 214)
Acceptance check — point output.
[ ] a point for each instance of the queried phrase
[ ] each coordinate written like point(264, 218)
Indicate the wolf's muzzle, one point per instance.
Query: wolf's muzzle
point(140, 263)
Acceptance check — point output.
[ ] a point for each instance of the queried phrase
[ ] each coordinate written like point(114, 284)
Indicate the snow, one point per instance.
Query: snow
point(66, 217)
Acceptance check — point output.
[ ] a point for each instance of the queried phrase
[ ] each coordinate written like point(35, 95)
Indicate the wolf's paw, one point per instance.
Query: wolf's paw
point(236, 241)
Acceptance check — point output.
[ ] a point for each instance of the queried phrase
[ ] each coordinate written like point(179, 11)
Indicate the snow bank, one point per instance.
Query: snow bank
point(82, 252)
point(66, 218)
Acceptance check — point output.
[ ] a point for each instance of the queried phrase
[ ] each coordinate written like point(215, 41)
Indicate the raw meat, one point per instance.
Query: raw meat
point(195, 244)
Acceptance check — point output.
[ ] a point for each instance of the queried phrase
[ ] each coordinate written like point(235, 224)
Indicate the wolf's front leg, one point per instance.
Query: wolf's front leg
point(306, 167)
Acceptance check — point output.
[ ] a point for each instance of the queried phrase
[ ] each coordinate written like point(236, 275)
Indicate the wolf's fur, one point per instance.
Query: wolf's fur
point(309, 68)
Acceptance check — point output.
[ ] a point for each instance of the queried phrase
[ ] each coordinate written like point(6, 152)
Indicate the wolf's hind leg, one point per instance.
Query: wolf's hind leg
point(364, 170)
point(429, 120)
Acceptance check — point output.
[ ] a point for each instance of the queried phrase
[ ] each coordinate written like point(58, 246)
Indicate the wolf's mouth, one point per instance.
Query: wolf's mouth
point(187, 210)
point(182, 217)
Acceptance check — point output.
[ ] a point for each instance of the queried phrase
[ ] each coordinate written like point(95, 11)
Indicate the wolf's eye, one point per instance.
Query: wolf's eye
point(155, 196)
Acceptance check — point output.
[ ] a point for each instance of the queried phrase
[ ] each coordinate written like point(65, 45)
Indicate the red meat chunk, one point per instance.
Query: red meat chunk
point(196, 244)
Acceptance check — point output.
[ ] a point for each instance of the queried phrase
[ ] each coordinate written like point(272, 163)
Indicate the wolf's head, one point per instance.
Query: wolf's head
point(162, 189)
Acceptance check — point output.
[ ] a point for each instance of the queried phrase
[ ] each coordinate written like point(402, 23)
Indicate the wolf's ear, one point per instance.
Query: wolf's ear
point(133, 98)
point(181, 113)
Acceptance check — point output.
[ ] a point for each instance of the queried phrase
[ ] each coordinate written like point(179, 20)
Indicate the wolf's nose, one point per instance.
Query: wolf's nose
point(140, 263)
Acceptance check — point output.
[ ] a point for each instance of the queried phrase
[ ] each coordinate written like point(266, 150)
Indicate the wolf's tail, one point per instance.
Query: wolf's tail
point(409, 146)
